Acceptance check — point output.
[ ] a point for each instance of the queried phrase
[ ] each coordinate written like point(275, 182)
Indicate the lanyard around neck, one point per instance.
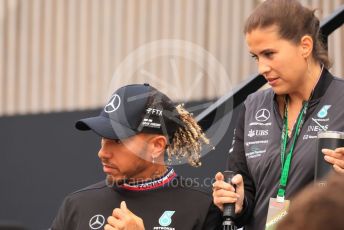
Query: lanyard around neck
point(286, 158)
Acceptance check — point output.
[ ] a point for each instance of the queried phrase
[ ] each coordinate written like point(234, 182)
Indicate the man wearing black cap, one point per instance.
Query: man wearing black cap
point(137, 126)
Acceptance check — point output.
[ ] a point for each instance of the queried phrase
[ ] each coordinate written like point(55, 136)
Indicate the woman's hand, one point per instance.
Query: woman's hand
point(122, 218)
point(336, 158)
point(224, 193)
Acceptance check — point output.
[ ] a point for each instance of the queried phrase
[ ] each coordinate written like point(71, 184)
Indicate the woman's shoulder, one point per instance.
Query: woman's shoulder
point(333, 77)
point(339, 80)
point(261, 95)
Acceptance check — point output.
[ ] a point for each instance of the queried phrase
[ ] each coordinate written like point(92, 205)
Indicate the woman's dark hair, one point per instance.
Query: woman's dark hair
point(293, 21)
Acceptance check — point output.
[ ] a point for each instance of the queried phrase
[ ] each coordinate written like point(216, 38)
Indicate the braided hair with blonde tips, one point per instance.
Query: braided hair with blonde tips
point(187, 140)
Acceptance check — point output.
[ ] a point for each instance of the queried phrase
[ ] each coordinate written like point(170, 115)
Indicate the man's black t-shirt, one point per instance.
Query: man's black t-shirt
point(166, 203)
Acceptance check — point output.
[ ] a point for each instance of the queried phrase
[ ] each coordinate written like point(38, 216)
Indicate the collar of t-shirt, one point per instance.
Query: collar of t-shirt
point(151, 184)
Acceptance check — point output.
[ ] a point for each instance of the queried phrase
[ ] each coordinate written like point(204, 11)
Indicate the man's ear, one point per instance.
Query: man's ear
point(306, 45)
point(158, 146)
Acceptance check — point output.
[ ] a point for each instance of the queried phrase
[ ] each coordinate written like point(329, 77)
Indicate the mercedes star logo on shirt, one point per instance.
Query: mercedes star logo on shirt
point(262, 115)
point(113, 104)
point(97, 221)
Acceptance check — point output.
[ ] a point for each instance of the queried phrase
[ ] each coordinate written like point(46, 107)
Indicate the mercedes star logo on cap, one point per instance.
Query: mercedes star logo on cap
point(113, 104)
point(262, 115)
point(97, 221)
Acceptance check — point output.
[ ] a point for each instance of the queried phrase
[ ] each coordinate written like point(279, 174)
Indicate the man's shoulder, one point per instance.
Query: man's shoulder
point(99, 187)
point(192, 187)
point(96, 186)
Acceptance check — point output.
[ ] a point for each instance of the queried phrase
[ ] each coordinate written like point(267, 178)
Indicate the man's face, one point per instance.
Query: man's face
point(125, 159)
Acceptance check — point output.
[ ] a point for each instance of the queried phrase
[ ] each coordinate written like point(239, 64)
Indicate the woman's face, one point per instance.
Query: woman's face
point(280, 61)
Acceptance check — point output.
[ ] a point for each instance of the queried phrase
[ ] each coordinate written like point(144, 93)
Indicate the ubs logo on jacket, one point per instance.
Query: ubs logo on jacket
point(257, 134)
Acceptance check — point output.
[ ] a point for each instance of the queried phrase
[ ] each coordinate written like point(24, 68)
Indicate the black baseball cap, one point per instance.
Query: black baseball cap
point(133, 109)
